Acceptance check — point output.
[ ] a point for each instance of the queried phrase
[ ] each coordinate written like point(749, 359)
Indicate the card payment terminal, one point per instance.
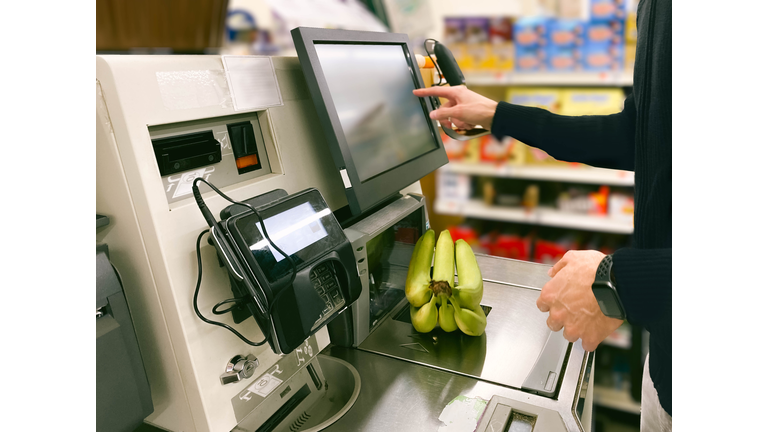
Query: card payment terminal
point(312, 242)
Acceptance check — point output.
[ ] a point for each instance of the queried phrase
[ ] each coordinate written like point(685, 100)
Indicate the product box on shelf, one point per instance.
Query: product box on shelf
point(629, 56)
point(454, 38)
point(455, 149)
point(605, 32)
point(621, 206)
point(453, 187)
point(566, 33)
point(547, 98)
point(463, 232)
point(478, 45)
point(493, 150)
point(502, 51)
point(531, 32)
point(564, 59)
point(530, 59)
point(591, 101)
point(606, 10)
point(630, 32)
point(549, 252)
point(511, 246)
point(602, 57)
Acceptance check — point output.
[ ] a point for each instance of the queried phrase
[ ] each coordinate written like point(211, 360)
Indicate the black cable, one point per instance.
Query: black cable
point(197, 291)
point(238, 301)
point(434, 61)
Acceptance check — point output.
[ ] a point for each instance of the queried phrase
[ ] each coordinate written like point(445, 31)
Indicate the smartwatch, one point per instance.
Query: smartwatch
point(604, 289)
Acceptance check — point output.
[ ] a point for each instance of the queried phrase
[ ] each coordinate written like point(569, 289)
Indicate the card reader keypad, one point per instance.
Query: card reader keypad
point(327, 286)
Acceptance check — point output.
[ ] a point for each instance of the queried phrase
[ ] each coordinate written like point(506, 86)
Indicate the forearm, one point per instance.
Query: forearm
point(644, 280)
point(605, 141)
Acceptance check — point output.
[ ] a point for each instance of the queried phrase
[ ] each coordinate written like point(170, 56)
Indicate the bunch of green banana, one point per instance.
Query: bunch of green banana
point(435, 301)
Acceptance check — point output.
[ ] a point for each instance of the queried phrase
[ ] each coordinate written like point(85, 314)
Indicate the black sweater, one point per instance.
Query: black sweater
point(637, 139)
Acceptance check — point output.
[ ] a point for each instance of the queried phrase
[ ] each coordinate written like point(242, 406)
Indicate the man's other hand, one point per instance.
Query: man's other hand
point(569, 300)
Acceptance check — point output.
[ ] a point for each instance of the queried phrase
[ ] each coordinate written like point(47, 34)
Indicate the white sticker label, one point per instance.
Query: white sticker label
point(345, 179)
point(252, 81)
point(264, 385)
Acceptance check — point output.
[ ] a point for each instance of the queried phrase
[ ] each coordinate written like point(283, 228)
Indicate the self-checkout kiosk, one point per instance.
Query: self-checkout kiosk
point(263, 212)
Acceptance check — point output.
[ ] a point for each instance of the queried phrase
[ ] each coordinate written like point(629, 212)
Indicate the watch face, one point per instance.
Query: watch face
point(606, 299)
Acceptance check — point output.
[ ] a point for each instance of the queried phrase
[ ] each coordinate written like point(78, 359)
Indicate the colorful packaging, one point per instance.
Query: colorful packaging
point(629, 56)
point(630, 32)
point(531, 32)
point(606, 10)
point(548, 252)
point(502, 52)
point(602, 57)
point(453, 32)
point(455, 149)
point(466, 233)
point(566, 33)
point(621, 206)
point(564, 59)
point(591, 101)
point(605, 32)
point(477, 32)
point(540, 97)
point(454, 38)
point(493, 150)
point(511, 246)
point(533, 59)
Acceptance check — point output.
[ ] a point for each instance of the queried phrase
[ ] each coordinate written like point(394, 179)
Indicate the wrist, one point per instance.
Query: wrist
point(605, 290)
point(490, 113)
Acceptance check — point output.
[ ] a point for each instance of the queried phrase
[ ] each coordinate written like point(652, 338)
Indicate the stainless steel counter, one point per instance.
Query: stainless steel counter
point(405, 389)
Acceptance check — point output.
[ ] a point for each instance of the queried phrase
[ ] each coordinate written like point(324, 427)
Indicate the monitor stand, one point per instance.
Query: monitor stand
point(347, 219)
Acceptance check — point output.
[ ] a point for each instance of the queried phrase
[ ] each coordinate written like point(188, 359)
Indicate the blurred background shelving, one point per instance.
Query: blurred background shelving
point(571, 57)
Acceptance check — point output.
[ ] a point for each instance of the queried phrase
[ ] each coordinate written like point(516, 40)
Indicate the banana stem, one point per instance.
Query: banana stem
point(441, 287)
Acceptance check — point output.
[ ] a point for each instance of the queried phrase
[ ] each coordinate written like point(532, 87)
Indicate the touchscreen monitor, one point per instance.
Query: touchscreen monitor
point(372, 89)
point(379, 133)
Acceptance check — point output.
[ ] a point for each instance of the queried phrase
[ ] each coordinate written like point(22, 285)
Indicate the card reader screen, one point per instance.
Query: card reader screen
point(293, 230)
point(303, 227)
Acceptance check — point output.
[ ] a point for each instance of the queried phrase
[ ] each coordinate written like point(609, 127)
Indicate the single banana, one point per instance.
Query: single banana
point(471, 321)
point(417, 283)
point(445, 317)
point(470, 289)
point(443, 274)
point(424, 319)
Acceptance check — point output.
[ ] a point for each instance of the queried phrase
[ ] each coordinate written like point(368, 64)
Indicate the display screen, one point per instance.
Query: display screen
point(303, 227)
point(292, 230)
point(372, 87)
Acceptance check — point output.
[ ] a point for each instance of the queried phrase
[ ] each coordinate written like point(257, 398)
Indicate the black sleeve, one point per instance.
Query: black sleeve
point(606, 141)
point(644, 284)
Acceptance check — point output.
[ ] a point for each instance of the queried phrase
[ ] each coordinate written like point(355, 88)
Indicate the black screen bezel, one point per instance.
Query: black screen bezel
point(363, 196)
point(244, 225)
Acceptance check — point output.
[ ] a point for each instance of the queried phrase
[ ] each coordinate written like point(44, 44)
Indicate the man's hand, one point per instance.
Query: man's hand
point(464, 107)
point(569, 300)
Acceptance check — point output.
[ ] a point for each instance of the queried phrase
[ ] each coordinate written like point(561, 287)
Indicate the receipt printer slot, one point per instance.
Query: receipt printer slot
point(186, 152)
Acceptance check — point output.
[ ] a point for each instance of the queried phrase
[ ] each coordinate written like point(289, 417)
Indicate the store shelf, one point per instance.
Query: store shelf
point(616, 399)
point(539, 216)
point(575, 175)
point(612, 79)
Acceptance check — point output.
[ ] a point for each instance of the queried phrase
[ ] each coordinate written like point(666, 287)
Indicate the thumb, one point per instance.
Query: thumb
point(557, 267)
point(444, 112)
